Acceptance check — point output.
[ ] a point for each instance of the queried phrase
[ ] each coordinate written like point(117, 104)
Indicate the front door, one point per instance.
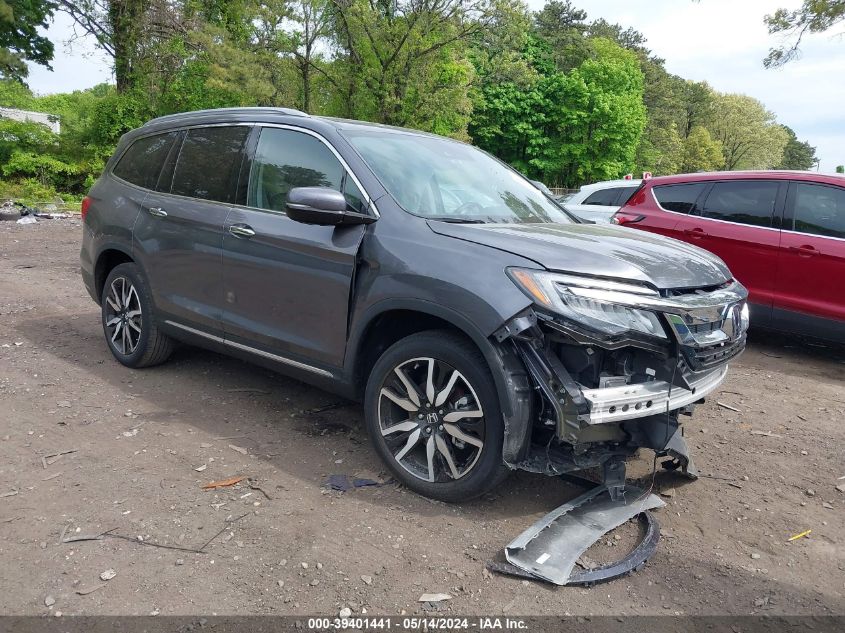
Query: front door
point(179, 233)
point(811, 269)
point(286, 284)
point(739, 221)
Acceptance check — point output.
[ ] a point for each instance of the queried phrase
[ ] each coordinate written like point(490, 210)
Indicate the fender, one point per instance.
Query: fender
point(89, 264)
point(509, 374)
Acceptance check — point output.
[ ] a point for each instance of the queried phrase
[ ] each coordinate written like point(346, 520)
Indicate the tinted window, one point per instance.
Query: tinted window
point(603, 197)
point(142, 162)
point(165, 178)
point(679, 198)
point(819, 210)
point(624, 195)
point(208, 163)
point(748, 202)
point(286, 159)
point(353, 195)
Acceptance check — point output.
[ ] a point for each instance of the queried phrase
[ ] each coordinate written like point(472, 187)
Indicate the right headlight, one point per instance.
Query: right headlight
point(593, 303)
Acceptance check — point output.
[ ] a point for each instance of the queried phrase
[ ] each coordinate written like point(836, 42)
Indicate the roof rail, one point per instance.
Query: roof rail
point(244, 110)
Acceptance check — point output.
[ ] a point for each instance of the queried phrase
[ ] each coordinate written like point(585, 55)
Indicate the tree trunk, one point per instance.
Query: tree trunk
point(306, 87)
point(126, 25)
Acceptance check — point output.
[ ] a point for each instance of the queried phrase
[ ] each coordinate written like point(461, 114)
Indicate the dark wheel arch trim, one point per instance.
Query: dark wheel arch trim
point(99, 275)
point(513, 386)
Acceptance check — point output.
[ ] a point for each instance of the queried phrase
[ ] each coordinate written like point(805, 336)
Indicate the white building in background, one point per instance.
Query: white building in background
point(50, 120)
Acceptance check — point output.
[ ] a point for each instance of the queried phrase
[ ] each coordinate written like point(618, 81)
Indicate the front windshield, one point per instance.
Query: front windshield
point(441, 179)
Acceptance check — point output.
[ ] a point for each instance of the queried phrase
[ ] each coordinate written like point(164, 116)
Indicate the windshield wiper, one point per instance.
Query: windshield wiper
point(455, 220)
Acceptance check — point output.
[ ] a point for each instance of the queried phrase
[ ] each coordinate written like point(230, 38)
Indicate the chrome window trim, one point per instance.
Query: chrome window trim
point(253, 350)
point(370, 202)
point(701, 217)
point(824, 237)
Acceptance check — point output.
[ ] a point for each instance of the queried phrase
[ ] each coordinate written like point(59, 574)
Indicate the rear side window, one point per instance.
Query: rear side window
point(625, 194)
point(819, 210)
point(286, 159)
point(603, 197)
point(141, 163)
point(743, 202)
point(209, 162)
point(680, 198)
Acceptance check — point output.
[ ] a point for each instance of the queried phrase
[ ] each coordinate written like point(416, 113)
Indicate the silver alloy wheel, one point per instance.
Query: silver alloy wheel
point(123, 316)
point(431, 420)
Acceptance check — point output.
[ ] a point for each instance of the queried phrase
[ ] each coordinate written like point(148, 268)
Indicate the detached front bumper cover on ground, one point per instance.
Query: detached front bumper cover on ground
point(551, 547)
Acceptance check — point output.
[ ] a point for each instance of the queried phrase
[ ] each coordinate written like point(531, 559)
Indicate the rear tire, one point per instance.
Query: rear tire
point(433, 416)
point(129, 320)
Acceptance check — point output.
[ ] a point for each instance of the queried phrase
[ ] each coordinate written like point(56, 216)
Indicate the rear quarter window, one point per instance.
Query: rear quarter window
point(141, 163)
point(819, 210)
point(680, 198)
point(603, 197)
point(625, 194)
point(209, 162)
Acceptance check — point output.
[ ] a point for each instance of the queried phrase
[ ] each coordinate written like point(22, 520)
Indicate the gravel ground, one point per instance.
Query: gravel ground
point(144, 443)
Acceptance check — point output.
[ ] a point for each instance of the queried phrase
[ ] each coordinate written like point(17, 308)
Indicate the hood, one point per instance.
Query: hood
point(600, 250)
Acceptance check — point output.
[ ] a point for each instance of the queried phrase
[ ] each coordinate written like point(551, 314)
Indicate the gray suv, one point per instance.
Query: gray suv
point(484, 328)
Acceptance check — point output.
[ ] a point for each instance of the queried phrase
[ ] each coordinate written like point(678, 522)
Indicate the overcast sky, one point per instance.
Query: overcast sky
point(722, 42)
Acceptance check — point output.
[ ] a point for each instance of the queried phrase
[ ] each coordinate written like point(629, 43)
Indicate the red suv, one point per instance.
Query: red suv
point(781, 233)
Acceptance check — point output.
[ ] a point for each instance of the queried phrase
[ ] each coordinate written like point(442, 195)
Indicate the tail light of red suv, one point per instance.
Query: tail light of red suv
point(625, 217)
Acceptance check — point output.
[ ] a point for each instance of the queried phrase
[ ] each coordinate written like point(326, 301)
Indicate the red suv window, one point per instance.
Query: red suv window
point(680, 198)
point(749, 202)
point(819, 210)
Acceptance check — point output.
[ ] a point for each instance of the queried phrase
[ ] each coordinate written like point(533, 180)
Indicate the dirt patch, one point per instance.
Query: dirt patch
point(145, 442)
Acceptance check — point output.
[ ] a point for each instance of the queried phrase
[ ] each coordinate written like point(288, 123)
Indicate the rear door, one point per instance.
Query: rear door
point(739, 220)
point(140, 166)
point(287, 285)
point(179, 233)
point(811, 269)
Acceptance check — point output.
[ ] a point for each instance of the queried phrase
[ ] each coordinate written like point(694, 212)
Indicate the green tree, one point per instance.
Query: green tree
point(19, 38)
point(563, 27)
point(701, 152)
point(748, 132)
point(797, 154)
point(814, 16)
point(627, 38)
point(698, 101)
point(661, 148)
point(406, 62)
point(14, 94)
point(566, 127)
point(25, 136)
point(840, 169)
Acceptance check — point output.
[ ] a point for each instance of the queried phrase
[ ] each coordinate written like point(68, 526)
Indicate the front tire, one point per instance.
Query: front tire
point(129, 320)
point(433, 416)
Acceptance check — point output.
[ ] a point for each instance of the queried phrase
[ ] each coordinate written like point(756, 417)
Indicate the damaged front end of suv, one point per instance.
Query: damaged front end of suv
point(612, 365)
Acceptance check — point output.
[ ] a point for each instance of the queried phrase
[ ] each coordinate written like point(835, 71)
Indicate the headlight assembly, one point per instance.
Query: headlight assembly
point(592, 303)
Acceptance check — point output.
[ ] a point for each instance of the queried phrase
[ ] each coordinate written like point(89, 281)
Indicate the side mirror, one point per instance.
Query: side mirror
point(323, 206)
